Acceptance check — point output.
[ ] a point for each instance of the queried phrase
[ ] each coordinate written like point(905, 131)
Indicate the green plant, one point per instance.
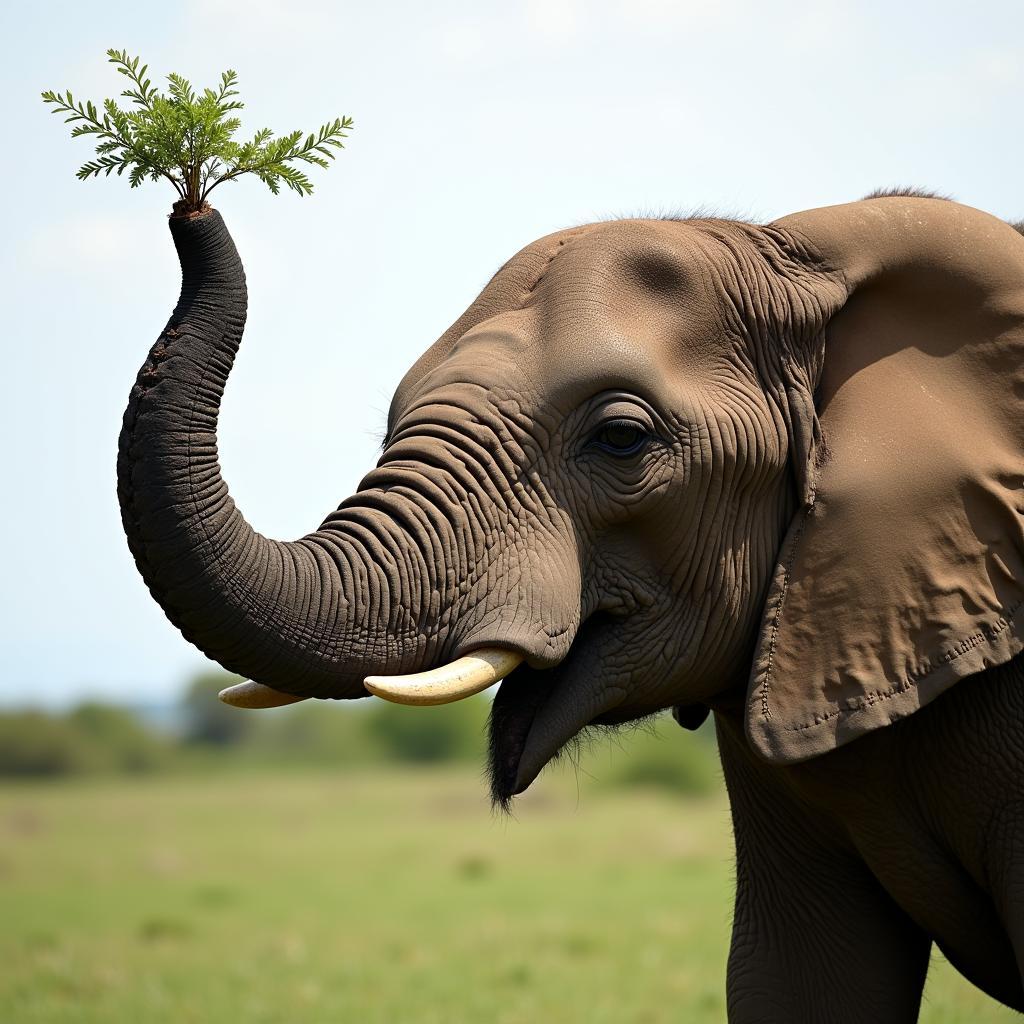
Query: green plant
point(187, 137)
point(123, 742)
point(429, 734)
point(656, 754)
point(207, 721)
point(33, 743)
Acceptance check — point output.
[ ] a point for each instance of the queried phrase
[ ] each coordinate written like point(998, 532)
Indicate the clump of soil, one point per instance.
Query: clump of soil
point(184, 210)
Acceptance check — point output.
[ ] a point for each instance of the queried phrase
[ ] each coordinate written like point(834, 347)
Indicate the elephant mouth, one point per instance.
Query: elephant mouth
point(537, 711)
point(513, 712)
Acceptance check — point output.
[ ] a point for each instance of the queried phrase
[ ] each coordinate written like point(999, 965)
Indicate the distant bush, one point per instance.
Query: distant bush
point(36, 744)
point(315, 732)
point(431, 734)
point(660, 756)
point(96, 738)
point(207, 719)
point(92, 738)
point(120, 741)
point(334, 732)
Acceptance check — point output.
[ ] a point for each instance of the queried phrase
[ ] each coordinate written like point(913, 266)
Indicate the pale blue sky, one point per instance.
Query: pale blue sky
point(478, 127)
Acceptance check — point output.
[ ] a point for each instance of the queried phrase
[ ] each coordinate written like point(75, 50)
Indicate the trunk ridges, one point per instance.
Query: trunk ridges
point(232, 592)
point(147, 378)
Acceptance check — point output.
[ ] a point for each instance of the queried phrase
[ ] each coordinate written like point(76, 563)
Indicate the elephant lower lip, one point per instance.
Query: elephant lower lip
point(513, 712)
point(537, 711)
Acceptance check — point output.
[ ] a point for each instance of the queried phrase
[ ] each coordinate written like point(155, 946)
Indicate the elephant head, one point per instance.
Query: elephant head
point(651, 455)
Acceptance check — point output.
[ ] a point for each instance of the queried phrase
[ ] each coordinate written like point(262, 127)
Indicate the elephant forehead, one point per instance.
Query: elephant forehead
point(628, 304)
point(629, 271)
point(560, 366)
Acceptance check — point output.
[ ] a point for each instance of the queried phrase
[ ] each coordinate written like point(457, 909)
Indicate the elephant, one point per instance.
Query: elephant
point(769, 472)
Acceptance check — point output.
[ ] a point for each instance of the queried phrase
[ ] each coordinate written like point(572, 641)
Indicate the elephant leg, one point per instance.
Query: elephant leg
point(821, 943)
point(816, 938)
point(1006, 871)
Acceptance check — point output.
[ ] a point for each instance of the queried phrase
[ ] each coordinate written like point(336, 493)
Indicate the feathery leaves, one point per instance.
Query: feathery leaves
point(188, 137)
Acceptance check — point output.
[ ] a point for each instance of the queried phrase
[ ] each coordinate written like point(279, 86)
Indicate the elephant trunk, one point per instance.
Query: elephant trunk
point(310, 617)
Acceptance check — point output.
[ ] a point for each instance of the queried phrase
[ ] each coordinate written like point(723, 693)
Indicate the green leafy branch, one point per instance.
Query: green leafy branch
point(188, 137)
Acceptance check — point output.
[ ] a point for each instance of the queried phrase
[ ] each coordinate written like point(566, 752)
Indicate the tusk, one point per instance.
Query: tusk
point(256, 695)
point(458, 679)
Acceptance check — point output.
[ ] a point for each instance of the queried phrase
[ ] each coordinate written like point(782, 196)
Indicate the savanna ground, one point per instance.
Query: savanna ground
point(371, 897)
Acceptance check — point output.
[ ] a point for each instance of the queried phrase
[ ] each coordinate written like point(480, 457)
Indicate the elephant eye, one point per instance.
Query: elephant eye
point(620, 437)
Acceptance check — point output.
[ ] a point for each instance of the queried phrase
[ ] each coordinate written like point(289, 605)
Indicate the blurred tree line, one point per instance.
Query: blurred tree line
point(95, 739)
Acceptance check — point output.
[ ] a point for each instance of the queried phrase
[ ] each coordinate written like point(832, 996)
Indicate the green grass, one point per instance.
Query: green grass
point(393, 898)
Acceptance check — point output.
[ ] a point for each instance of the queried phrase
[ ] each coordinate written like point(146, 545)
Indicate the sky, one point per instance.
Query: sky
point(478, 127)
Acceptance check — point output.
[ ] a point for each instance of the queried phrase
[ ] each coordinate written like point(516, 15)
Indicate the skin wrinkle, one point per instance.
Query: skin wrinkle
point(712, 504)
point(327, 607)
point(405, 549)
point(411, 547)
point(443, 550)
point(474, 457)
point(227, 579)
point(883, 694)
point(477, 452)
point(463, 541)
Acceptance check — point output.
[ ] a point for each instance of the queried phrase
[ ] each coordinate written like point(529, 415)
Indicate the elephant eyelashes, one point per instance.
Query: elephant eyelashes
point(620, 437)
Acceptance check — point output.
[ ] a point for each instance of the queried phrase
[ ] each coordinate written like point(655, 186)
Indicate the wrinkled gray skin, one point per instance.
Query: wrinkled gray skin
point(628, 562)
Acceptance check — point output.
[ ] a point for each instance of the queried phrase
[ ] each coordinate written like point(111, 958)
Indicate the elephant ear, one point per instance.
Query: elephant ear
point(903, 571)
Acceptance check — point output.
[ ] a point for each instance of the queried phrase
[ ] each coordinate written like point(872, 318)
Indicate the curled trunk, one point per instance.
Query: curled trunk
point(310, 617)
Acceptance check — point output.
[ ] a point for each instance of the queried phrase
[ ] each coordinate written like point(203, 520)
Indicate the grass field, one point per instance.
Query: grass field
point(384, 899)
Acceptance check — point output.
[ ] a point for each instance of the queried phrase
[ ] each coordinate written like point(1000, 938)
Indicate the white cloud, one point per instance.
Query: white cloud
point(89, 244)
point(827, 26)
point(460, 41)
point(277, 20)
point(1000, 68)
point(960, 88)
point(662, 15)
point(553, 20)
